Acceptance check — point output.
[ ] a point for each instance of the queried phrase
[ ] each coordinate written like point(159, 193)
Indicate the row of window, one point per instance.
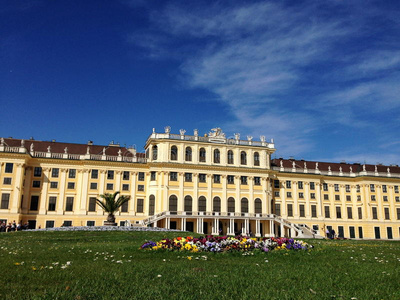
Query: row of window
point(337, 197)
point(203, 154)
point(300, 185)
point(173, 176)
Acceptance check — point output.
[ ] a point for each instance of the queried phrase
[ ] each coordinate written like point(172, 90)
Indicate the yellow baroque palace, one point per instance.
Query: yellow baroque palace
point(207, 184)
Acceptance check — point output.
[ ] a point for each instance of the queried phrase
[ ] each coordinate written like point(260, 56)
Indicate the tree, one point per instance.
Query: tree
point(110, 204)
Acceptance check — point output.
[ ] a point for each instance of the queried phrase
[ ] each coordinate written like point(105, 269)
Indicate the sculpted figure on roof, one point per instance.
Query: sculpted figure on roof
point(216, 132)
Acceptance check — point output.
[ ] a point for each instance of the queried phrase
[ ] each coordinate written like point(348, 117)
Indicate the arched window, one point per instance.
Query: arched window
point(174, 153)
point(202, 204)
point(173, 204)
point(230, 157)
point(244, 205)
point(258, 206)
point(243, 158)
point(155, 152)
point(202, 155)
point(152, 204)
point(256, 159)
point(188, 204)
point(188, 154)
point(216, 156)
point(217, 204)
point(231, 204)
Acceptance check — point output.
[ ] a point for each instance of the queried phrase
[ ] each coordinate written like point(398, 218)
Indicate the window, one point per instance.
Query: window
point(288, 184)
point(231, 205)
point(188, 154)
point(327, 212)
point(93, 186)
point(72, 173)
point(276, 193)
point(257, 180)
point(338, 212)
point(349, 213)
point(372, 187)
point(71, 185)
point(325, 187)
point(359, 213)
point(217, 178)
point(289, 194)
point(49, 224)
point(243, 180)
point(326, 197)
point(155, 152)
point(397, 199)
point(216, 156)
point(312, 195)
point(358, 198)
point(352, 232)
point(347, 188)
point(9, 168)
point(95, 174)
point(188, 177)
point(301, 195)
point(141, 176)
point(290, 210)
point(302, 211)
point(300, 184)
point(337, 197)
point(313, 211)
point(90, 223)
point(152, 175)
point(188, 204)
point(398, 213)
point(244, 205)
point(67, 223)
point(7, 180)
point(139, 205)
point(53, 184)
point(124, 207)
point(276, 184)
point(125, 187)
point(374, 213)
point(357, 188)
point(384, 188)
point(173, 176)
point(348, 198)
point(202, 204)
point(5, 200)
point(373, 198)
point(173, 203)
point(336, 186)
point(312, 185)
point(110, 175)
point(256, 159)
point(36, 184)
point(174, 153)
point(258, 206)
point(52, 203)
point(202, 155)
point(34, 203)
point(396, 188)
point(277, 209)
point(92, 204)
point(243, 158)
point(37, 172)
point(217, 204)
point(385, 198)
point(125, 175)
point(202, 177)
point(69, 204)
point(109, 186)
point(387, 216)
point(55, 172)
point(231, 179)
point(140, 188)
point(230, 157)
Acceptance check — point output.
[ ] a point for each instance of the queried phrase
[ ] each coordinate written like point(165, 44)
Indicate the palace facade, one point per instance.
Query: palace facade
point(207, 184)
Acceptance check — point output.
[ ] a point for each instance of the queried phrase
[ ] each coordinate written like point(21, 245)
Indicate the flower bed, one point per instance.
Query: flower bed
point(226, 244)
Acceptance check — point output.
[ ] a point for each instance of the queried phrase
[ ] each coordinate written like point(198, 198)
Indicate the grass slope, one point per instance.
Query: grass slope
point(109, 265)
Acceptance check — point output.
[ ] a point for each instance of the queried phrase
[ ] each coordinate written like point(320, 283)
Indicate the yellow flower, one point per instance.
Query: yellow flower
point(189, 258)
point(17, 264)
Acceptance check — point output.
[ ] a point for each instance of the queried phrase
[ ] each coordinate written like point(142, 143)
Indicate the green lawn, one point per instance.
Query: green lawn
point(109, 265)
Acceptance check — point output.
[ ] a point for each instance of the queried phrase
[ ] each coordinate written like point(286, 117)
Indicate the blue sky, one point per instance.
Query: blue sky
point(322, 78)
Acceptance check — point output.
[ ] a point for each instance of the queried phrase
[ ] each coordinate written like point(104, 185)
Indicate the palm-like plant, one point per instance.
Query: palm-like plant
point(110, 204)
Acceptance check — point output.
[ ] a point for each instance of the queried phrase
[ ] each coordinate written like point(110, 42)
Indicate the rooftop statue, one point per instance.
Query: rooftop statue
point(216, 132)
